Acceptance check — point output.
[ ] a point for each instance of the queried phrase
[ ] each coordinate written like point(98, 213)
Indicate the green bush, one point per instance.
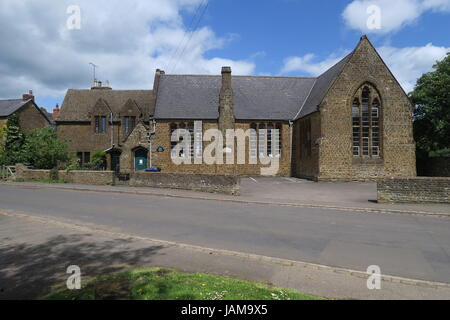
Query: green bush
point(44, 150)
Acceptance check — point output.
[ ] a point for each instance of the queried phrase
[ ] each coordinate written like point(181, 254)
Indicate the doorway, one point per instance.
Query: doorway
point(140, 159)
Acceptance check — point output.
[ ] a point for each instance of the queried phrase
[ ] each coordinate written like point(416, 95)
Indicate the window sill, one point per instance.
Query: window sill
point(367, 160)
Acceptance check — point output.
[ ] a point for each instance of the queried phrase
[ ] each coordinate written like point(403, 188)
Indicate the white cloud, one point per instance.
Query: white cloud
point(309, 65)
point(407, 64)
point(394, 14)
point(127, 39)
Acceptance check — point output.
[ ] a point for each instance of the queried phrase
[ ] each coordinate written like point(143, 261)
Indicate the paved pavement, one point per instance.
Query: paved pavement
point(402, 245)
point(35, 253)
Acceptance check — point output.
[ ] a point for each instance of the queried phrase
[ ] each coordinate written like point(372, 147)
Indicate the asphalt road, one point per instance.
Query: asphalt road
point(402, 245)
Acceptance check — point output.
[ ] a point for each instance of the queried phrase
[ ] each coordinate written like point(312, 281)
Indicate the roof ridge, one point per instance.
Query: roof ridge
point(240, 76)
point(112, 90)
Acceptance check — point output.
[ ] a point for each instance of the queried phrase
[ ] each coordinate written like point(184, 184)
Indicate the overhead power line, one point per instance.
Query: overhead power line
point(180, 44)
point(206, 5)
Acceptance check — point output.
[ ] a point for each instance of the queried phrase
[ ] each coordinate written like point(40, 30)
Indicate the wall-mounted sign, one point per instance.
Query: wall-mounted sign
point(160, 149)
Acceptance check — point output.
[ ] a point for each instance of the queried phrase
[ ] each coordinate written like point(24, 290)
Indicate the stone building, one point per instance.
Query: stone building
point(30, 115)
point(354, 122)
point(102, 119)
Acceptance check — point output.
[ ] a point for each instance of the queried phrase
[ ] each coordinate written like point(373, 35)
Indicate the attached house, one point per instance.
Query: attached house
point(102, 119)
point(354, 122)
point(30, 115)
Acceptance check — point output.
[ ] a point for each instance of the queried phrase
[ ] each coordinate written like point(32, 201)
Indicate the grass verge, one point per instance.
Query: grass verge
point(167, 284)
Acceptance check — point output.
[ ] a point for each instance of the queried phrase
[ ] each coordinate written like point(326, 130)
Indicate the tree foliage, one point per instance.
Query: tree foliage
point(432, 113)
point(44, 150)
point(2, 142)
point(14, 141)
point(98, 161)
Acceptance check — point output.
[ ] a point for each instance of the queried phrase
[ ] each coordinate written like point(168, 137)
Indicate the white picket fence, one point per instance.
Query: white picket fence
point(7, 172)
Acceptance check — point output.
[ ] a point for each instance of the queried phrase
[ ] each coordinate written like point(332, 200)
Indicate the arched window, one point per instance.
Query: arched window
point(366, 113)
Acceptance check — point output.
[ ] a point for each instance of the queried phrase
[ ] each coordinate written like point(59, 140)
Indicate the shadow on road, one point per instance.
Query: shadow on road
point(29, 271)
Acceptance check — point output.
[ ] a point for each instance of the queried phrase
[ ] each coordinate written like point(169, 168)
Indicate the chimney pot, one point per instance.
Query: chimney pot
point(28, 96)
point(226, 78)
point(56, 112)
point(226, 70)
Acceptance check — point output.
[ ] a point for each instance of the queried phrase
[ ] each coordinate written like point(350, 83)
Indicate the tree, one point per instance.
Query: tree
point(43, 150)
point(98, 160)
point(14, 141)
point(432, 113)
point(2, 142)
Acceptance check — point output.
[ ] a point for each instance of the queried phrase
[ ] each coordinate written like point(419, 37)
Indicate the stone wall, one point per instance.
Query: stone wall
point(336, 160)
point(76, 177)
point(163, 160)
point(226, 184)
point(422, 189)
point(307, 136)
point(30, 118)
point(434, 167)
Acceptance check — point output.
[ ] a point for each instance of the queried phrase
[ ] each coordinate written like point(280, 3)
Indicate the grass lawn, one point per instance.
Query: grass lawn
point(166, 284)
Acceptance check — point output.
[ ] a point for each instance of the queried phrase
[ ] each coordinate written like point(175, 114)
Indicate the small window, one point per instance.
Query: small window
point(83, 158)
point(254, 141)
point(130, 124)
point(100, 124)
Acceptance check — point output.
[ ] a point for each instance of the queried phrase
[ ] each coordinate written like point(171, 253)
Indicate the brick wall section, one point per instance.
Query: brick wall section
point(162, 160)
point(198, 182)
point(76, 177)
point(336, 161)
point(422, 189)
point(31, 118)
point(307, 163)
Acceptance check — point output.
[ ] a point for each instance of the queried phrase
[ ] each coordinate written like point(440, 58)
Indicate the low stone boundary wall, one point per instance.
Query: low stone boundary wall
point(226, 184)
point(421, 189)
point(75, 176)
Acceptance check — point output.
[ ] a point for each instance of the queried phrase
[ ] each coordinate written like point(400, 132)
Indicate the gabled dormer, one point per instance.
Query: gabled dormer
point(130, 115)
point(100, 117)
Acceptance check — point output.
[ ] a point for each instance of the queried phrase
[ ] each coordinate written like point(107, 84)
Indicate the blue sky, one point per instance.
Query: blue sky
point(130, 39)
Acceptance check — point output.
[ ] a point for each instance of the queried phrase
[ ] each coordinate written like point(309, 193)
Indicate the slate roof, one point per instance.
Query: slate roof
point(78, 104)
point(8, 107)
point(255, 98)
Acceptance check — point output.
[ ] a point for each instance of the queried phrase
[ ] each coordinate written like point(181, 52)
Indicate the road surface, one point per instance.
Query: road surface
point(401, 245)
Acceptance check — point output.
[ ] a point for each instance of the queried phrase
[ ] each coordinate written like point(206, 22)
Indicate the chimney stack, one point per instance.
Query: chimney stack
point(226, 77)
point(158, 75)
point(226, 102)
point(56, 112)
point(28, 96)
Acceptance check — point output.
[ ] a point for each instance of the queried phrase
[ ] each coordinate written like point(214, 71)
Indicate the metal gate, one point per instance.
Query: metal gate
point(7, 172)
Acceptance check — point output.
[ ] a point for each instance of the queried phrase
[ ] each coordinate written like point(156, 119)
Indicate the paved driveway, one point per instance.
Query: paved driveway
point(309, 191)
